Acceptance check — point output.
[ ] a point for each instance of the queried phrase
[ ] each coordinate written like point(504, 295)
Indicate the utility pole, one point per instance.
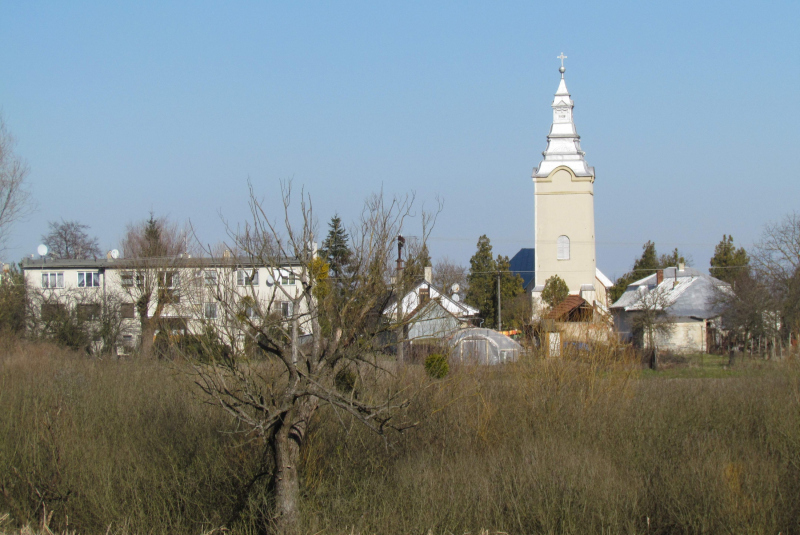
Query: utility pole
point(401, 333)
point(499, 309)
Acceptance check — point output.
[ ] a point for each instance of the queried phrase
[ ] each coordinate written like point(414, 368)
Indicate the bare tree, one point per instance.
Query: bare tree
point(69, 240)
point(15, 199)
point(777, 259)
point(153, 252)
point(320, 346)
point(749, 310)
point(75, 318)
point(446, 273)
point(650, 317)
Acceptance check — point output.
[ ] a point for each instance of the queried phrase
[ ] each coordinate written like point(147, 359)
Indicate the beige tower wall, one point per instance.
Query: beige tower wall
point(564, 205)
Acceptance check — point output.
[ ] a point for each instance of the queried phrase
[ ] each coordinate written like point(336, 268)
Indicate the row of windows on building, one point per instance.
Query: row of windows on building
point(92, 311)
point(166, 279)
point(86, 279)
point(210, 311)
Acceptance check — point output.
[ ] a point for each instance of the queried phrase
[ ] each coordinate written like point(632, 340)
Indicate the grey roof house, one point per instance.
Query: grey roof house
point(687, 297)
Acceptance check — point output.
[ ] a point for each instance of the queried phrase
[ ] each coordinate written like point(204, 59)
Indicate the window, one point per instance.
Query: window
point(210, 311)
point(210, 278)
point(88, 279)
point(168, 279)
point(127, 279)
point(53, 311)
point(250, 311)
point(53, 280)
point(424, 294)
point(126, 311)
point(126, 346)
point(563, 248)
point(246, 277)
point(286, 308)
point(88, 312)
point(288, 279)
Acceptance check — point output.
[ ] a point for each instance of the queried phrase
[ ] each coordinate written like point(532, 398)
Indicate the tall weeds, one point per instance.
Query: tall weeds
point(576, 445)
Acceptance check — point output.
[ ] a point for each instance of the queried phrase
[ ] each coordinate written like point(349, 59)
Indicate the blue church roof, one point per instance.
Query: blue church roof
point(523, 264)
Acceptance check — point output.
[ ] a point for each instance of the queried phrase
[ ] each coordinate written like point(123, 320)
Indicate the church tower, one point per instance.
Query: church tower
point(564, 208)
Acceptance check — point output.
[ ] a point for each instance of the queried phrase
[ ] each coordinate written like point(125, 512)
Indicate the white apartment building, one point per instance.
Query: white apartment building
point(185, 294)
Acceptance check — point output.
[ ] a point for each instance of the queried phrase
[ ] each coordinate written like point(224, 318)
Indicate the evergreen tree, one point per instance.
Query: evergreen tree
point(153, 248)
point(645, 265)
point(728, 262)
point(510, 286)
point(671, 260)
point(481, 280)
point(555, 290)
point(335, 249)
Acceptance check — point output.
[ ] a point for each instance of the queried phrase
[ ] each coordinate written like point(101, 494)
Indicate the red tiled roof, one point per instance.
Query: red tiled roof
point(565, 307)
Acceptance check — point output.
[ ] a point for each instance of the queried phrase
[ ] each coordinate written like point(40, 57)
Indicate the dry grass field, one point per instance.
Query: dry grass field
point(577, 445)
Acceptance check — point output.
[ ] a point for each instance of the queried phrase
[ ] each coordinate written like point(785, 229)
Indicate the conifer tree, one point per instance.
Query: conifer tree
point(645, 265)
point(728, 262)
point(555, 290)
point(510, 285)
point(481, 279)
point(335, 249)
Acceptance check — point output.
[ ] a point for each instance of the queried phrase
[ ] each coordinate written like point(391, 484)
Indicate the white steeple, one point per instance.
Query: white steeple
point(563, 142)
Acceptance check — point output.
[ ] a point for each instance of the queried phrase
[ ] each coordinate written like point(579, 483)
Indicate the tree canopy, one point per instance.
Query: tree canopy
point(15, 198)
point(482, 281)
point(728, 262)
point(335, 249)
point(645, 265)
point(69, 240)
point(555, 290)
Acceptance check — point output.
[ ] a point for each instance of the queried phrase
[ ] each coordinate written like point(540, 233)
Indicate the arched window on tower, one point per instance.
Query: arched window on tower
point(563, 248)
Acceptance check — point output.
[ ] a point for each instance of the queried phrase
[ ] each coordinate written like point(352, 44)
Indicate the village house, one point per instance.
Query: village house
point(686, 299)
point(428, 312)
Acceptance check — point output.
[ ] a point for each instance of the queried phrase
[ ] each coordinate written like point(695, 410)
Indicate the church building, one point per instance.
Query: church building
point(564, 211)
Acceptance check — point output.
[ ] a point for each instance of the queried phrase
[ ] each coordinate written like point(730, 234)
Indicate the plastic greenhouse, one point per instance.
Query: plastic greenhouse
point(483, 346)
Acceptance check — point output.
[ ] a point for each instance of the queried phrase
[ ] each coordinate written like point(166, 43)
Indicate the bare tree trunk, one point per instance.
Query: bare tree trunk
point(287, 441)
point(148, 339)
point(654, 354)
point(285, 480)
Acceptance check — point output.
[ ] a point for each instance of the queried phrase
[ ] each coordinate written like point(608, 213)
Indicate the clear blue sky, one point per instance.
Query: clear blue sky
point(687, 110)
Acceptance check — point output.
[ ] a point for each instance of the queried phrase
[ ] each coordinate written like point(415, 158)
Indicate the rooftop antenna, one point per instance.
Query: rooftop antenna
point(42, 250)
point(114, 254)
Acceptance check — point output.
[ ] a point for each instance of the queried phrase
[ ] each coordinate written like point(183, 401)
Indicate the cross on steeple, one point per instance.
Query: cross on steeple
point(562, 57)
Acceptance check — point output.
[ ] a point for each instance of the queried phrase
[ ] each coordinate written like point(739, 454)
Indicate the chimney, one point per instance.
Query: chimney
point(659, 276)
point(108, 256)
point(428, 274)
point(681, 266)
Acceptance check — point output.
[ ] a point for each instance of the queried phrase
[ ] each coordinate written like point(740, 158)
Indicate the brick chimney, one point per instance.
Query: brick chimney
point(659, 276)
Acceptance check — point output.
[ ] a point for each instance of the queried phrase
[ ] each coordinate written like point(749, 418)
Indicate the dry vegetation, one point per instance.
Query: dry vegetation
point(570, 446)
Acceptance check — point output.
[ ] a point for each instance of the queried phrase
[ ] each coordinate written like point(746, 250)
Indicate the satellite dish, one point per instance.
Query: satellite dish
point(42, 250)
point(114, 254)
point(456, 298)
point(455, 288)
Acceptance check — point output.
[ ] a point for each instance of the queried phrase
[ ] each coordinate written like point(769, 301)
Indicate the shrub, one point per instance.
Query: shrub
point(436, 365)
point(345, 380)
point(555, 290)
